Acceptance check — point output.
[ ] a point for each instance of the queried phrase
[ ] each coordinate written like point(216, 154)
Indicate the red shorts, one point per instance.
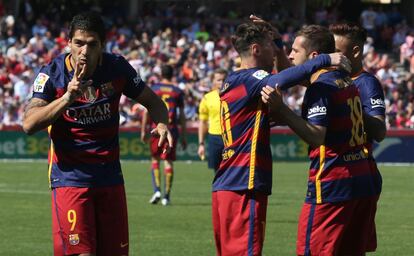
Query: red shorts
point(239, 219)
point(90, 220)
point(157, 151)
point(345, 228)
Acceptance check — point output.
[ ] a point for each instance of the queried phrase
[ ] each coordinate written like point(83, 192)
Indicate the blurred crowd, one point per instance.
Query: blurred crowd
point(195, 46)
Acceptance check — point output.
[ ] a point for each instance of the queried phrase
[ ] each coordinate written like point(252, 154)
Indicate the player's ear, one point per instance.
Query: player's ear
point(356, 52)
point(313, 54)
point(255, 49)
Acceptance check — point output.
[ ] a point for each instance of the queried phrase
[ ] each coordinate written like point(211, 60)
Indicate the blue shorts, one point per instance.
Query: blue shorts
point(214, 150)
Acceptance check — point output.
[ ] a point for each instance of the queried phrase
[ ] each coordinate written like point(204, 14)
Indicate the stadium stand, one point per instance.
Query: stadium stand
point(195, 46)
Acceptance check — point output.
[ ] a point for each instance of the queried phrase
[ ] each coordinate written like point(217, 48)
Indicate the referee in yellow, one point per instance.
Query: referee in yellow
point(209, 115)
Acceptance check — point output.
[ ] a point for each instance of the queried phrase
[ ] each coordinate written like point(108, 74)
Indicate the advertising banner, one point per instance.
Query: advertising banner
point(396, 147)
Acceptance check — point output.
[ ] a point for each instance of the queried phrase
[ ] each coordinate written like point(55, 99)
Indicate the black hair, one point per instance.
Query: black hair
point(352, 31)
point(167, 72)
point(88, 21)
point(249, 33)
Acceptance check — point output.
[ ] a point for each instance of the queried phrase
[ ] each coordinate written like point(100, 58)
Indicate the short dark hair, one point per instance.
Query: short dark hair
point(350, 30)
point(221, 71)
point(167, 72)
point(88, 21)
point(247, 34)
point(318, 38)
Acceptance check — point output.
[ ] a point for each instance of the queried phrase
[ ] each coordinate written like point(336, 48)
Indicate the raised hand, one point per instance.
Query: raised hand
point(77, 85)
point(275, 32)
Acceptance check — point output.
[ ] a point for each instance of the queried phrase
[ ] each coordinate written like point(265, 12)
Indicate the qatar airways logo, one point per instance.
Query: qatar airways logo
point(90, 115)
point(316, 111)
point(377, 103)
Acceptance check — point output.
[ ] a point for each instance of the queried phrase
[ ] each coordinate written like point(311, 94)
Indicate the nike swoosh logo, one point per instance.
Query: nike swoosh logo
point(124, 245)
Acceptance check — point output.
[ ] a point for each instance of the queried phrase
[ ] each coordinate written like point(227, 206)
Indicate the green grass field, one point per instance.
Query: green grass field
point(184, 228)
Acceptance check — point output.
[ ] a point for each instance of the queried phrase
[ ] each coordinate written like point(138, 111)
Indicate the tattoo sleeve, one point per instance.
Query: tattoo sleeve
point(34, 103)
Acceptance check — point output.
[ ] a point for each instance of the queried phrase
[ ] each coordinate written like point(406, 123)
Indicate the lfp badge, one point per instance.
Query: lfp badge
point(40, 82)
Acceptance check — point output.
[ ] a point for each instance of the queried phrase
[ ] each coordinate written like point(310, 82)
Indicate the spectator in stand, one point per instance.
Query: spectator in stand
point(22, 87)
point(160, 39)
point(11, 117)
point(407, 50)
point(368, 18)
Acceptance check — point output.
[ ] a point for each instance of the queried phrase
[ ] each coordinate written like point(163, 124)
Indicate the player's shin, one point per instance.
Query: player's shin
point(155, 172)
point(169, 175)
point(156, 183)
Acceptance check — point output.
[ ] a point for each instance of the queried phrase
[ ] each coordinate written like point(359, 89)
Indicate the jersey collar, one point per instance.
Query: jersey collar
point(354, 77)
point(318, 73)
point(68, 64)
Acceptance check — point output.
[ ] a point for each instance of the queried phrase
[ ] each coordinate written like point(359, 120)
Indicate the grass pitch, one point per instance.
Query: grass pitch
point(184, 228)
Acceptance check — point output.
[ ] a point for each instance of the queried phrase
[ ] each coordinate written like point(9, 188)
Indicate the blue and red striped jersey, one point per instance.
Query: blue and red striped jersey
point(339, 168)
point(372, 98)
point(85, 149)
point(371, 93)
point(247, 160)
point(173, 98)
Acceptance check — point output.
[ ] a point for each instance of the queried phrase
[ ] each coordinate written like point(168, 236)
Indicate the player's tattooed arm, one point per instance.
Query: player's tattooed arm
point(39, 113)
point(34, 103)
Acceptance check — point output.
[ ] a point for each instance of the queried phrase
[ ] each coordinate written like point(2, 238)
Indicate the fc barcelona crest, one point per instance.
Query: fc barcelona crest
point(90, 94)
point(107, 89)
point(73, 239)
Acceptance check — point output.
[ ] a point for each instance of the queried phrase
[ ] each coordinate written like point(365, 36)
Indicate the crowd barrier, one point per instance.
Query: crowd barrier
point(397, 147)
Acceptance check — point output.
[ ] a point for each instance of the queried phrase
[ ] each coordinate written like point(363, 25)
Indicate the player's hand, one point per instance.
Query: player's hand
point(144, 138)
point(274, 100)
point(77, 86)
point(165, 135)
point(183, 143)
point(272, 97)
point(275, 31)
point(338, 59)
point(201, 151)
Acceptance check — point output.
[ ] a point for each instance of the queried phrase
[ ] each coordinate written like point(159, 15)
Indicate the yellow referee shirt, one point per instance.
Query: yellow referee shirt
point(209, 110)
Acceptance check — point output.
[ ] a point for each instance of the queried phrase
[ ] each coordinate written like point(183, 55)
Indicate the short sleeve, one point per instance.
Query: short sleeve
point(256, 81)
point(134, 84)
point(316, 105)
point(43, 86)
point(203, 109)
point(372, 96)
